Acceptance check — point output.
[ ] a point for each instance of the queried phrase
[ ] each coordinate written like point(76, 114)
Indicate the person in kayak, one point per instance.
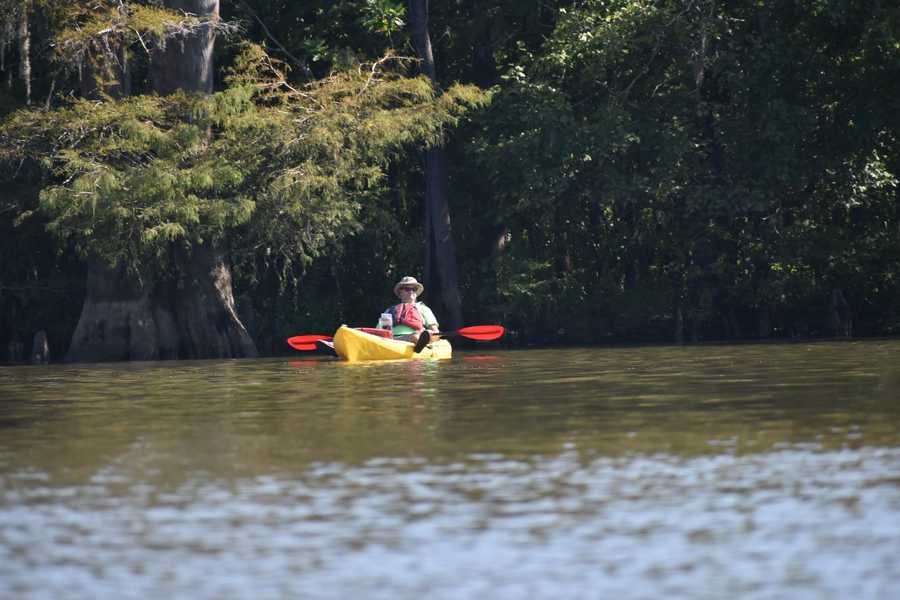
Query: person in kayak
point(413, 321)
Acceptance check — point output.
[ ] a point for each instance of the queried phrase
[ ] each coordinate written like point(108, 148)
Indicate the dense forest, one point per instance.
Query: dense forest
point(190, 178)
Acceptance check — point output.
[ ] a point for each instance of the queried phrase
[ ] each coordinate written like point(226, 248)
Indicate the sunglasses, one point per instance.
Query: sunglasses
point(408, 289)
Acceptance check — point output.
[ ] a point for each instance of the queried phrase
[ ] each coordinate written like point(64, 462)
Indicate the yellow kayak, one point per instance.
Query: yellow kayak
point(353, 345)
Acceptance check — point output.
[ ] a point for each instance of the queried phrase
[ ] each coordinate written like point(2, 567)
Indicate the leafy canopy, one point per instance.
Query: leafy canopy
point(264, 166)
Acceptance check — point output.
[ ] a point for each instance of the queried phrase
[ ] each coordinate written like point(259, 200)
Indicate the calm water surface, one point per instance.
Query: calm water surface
point(769, 471)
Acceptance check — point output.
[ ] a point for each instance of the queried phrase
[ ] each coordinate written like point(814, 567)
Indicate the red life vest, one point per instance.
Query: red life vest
point(409, 315)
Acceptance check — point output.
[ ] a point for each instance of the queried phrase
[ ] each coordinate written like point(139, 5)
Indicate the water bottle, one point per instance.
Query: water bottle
point(386, 321)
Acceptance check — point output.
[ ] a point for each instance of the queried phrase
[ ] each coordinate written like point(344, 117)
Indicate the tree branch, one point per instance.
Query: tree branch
point(297, 61)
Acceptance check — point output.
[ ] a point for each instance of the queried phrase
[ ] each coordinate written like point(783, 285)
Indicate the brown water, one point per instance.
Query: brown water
point(762, 471)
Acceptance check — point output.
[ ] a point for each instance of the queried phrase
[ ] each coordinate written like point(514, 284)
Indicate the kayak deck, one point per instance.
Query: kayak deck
point(354, 345)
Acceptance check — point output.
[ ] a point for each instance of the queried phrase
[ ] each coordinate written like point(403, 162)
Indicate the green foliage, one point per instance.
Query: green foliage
point(263, 166)
point(386, 17)
point(91, 44)
point(713, 156)
point(322, 36)
point(92, 26)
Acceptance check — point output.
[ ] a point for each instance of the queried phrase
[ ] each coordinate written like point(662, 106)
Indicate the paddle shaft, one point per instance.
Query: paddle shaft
point(481, 333)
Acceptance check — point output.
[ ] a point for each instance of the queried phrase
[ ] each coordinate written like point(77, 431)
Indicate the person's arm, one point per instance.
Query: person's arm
point(430, 321)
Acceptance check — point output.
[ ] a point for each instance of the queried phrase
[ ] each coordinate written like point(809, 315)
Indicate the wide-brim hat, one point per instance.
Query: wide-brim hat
point(406, 282)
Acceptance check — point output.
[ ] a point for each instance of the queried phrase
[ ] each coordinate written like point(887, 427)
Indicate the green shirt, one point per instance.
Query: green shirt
point(427, 317)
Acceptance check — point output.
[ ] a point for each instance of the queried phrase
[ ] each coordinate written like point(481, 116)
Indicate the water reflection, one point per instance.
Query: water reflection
point(763, 471)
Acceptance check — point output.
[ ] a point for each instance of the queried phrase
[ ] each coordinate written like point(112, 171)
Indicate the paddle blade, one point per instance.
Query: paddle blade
point(306, 342)
point(303, 347)
point(483, 333)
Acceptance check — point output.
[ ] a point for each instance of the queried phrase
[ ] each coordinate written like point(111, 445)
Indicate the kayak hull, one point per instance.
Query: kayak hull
point(354, 345)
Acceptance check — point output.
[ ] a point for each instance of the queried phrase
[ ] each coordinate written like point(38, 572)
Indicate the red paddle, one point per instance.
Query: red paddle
point(481, 333)
point(306, 342)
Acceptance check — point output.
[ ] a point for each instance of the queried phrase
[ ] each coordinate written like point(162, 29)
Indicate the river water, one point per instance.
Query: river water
point(757, 471)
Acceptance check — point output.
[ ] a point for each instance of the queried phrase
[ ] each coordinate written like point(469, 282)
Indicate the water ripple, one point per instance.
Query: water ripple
point(797, 523)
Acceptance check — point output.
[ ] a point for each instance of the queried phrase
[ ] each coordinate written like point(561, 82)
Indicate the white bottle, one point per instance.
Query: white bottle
point(386, 321)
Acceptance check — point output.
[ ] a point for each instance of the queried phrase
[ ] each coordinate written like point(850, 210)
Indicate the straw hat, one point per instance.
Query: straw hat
point(408, 282)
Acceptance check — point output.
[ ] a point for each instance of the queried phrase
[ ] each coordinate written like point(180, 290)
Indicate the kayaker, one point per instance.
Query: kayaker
point(412, 320)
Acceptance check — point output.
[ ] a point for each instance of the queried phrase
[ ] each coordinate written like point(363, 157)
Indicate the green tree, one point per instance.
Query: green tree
point(696, 165)
point(157, 185)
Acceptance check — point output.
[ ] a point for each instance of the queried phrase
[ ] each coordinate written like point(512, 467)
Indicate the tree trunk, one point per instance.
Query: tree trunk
point(441, 277)
point(440, 269)
point(6, 37)
point(207, 322)
point(764, 322)
point(106, 73)
point(187, 315)
point(193, 317)
point(840, 320)
point(25, 50)
point(117, 320)
point(40, 348)
point(185, 63)
point(678, 334)
point(204, 310)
